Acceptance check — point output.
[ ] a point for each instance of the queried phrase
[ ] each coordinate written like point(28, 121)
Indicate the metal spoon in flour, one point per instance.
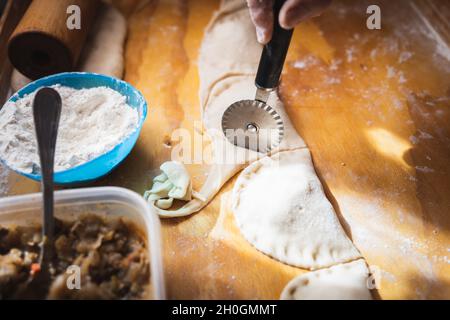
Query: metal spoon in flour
point(46, 113)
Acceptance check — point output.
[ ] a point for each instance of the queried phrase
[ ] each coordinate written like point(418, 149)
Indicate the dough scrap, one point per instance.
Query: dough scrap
point(173, 183)
point(347, 281)
point(281, 208)
point(103, 51)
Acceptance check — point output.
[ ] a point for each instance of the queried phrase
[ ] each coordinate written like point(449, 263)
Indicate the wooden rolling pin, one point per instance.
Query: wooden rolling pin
point(42, 44)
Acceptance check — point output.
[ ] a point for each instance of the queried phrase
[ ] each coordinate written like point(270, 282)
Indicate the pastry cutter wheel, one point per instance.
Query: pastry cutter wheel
point(253, 124)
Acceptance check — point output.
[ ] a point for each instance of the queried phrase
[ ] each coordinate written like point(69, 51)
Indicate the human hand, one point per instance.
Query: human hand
point(292, 13)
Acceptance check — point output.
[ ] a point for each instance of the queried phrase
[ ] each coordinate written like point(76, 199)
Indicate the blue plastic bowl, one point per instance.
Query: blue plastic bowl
point(105, 163)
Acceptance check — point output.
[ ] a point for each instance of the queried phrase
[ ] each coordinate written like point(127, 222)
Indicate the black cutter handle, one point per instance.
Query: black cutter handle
point(274, 53)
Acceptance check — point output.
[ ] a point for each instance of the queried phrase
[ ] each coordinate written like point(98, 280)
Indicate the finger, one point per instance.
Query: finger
point(295, 11)
point(261, 12)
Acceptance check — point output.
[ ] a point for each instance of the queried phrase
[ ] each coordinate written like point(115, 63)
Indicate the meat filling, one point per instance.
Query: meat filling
point(95, 258)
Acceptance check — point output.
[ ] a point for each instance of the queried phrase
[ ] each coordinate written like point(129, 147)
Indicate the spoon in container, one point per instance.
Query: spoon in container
point(46, 112)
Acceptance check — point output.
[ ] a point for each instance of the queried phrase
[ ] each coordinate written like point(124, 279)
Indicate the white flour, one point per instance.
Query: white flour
point(4, 179)
point(92, 122)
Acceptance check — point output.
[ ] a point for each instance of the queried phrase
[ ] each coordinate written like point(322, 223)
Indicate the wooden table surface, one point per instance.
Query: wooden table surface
point(373, 107)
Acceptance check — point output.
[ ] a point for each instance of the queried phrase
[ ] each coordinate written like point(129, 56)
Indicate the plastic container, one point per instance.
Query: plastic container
point(104, 201)
point(102, 165)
